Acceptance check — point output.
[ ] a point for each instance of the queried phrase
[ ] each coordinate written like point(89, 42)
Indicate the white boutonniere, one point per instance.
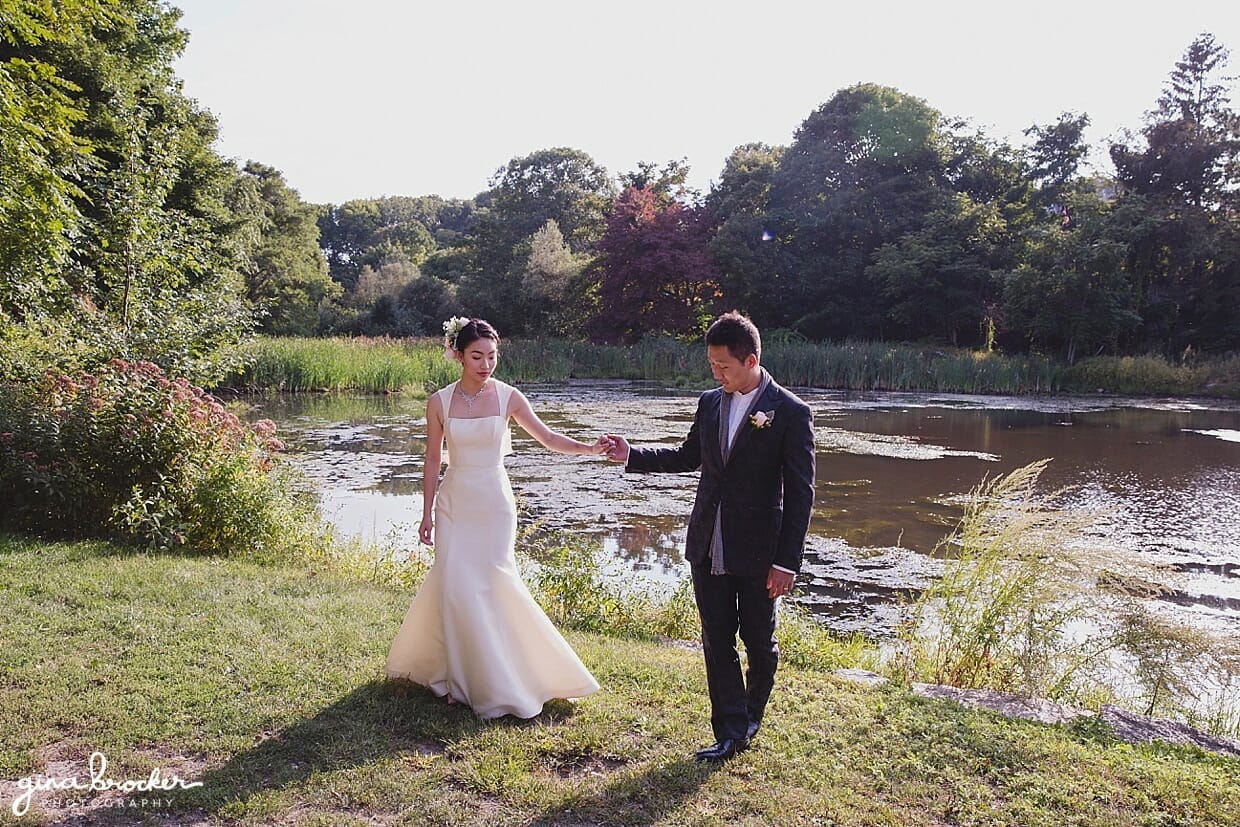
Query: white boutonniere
point(762, 419)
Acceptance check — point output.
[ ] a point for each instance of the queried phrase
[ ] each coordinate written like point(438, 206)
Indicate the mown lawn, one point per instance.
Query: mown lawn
point(264, 682)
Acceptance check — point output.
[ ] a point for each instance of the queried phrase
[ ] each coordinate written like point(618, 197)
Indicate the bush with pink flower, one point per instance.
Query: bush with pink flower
point(129, 454)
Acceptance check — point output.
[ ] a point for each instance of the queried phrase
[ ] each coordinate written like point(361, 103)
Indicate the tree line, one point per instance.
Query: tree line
point(123, 232)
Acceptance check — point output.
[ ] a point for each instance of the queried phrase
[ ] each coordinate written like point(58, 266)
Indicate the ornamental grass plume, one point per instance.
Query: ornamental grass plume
point(1031, 601)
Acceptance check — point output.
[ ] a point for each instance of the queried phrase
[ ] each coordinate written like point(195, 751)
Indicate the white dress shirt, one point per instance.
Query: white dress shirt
point(740, 407)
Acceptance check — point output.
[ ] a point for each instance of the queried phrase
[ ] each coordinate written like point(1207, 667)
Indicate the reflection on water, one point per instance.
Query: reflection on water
point(891, 468)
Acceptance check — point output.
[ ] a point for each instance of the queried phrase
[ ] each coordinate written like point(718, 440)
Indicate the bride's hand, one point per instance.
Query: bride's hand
point(601, 445)
point(424, 530)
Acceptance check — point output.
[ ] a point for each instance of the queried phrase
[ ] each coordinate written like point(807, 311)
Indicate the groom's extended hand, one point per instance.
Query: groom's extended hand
point(619, 451)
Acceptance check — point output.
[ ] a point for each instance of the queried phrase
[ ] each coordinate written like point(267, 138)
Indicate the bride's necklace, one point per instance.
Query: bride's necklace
point(469, 400)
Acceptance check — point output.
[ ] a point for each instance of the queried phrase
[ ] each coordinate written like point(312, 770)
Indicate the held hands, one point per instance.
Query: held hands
point(602, 445)
point(619, 448)
point(615, 448)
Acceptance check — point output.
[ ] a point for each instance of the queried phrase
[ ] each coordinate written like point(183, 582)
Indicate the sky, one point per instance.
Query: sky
point(368, 98)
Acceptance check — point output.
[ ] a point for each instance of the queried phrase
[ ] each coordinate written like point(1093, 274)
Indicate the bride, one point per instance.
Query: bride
point(473, 633)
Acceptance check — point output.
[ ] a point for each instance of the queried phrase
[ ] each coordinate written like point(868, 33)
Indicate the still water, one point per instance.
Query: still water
point(1164, 476)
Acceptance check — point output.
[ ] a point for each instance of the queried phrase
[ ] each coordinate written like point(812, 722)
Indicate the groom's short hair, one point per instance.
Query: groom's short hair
point(737, 333)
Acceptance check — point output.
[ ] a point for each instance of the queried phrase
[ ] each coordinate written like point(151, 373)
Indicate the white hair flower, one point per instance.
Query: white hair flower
point(451, 329)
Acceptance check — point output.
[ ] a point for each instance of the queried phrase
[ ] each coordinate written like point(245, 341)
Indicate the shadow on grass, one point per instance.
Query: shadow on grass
point(376, 720)
point(383, 718)
point(635, 799)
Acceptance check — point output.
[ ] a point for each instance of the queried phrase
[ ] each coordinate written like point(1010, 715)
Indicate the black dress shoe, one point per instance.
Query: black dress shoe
point(721, 750)
point(752, 730)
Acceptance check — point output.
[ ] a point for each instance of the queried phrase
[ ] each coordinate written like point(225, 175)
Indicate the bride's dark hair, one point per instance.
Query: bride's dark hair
point(474, 330)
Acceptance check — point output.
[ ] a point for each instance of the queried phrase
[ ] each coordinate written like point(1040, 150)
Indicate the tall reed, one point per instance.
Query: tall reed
point(869, 366)
point(366, 365)
point(662, 359)
point(390, 365)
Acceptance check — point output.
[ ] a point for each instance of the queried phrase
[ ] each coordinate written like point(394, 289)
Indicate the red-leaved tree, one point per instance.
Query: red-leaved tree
point(655, 275)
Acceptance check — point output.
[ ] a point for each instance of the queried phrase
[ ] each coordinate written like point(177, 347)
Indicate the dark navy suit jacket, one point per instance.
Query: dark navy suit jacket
point(765, 489)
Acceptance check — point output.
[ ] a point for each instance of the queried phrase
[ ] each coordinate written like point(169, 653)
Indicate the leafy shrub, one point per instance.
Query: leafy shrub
point(129, 454)
point(1189, 374)
point(1131, 374)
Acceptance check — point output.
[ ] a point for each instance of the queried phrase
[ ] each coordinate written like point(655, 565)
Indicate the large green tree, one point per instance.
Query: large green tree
point(364, 232)
point(147, 246)
point(668, 183)
point(744, 250)
point(862, 170)
point(886, 219)
point(1055, 159)
point(1179, 189)
point(42, 152)
point(288, 279)
point(562, 185)
point(1072, 294)
point(938, 281)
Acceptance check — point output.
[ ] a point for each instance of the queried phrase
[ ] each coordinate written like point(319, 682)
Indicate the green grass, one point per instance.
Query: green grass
point(264, 682)
point(392, 365)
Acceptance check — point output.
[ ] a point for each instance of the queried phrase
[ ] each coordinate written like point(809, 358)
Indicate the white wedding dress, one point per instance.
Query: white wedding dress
point(473, 631)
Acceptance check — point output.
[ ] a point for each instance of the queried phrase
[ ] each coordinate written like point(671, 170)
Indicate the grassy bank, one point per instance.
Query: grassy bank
point(388, 365)
point(263, 681)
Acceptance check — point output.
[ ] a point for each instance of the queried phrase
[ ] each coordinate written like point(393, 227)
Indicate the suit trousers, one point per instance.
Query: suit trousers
point(728, 604)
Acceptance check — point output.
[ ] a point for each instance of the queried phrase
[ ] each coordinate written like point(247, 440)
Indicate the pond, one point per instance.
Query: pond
point(1164, 476)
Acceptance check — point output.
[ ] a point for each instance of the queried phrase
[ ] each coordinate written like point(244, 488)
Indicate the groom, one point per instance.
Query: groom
point(754, 443)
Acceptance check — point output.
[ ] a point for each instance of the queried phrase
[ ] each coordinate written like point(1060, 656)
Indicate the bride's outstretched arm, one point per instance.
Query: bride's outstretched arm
point(519, 408)
point(430, 468)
